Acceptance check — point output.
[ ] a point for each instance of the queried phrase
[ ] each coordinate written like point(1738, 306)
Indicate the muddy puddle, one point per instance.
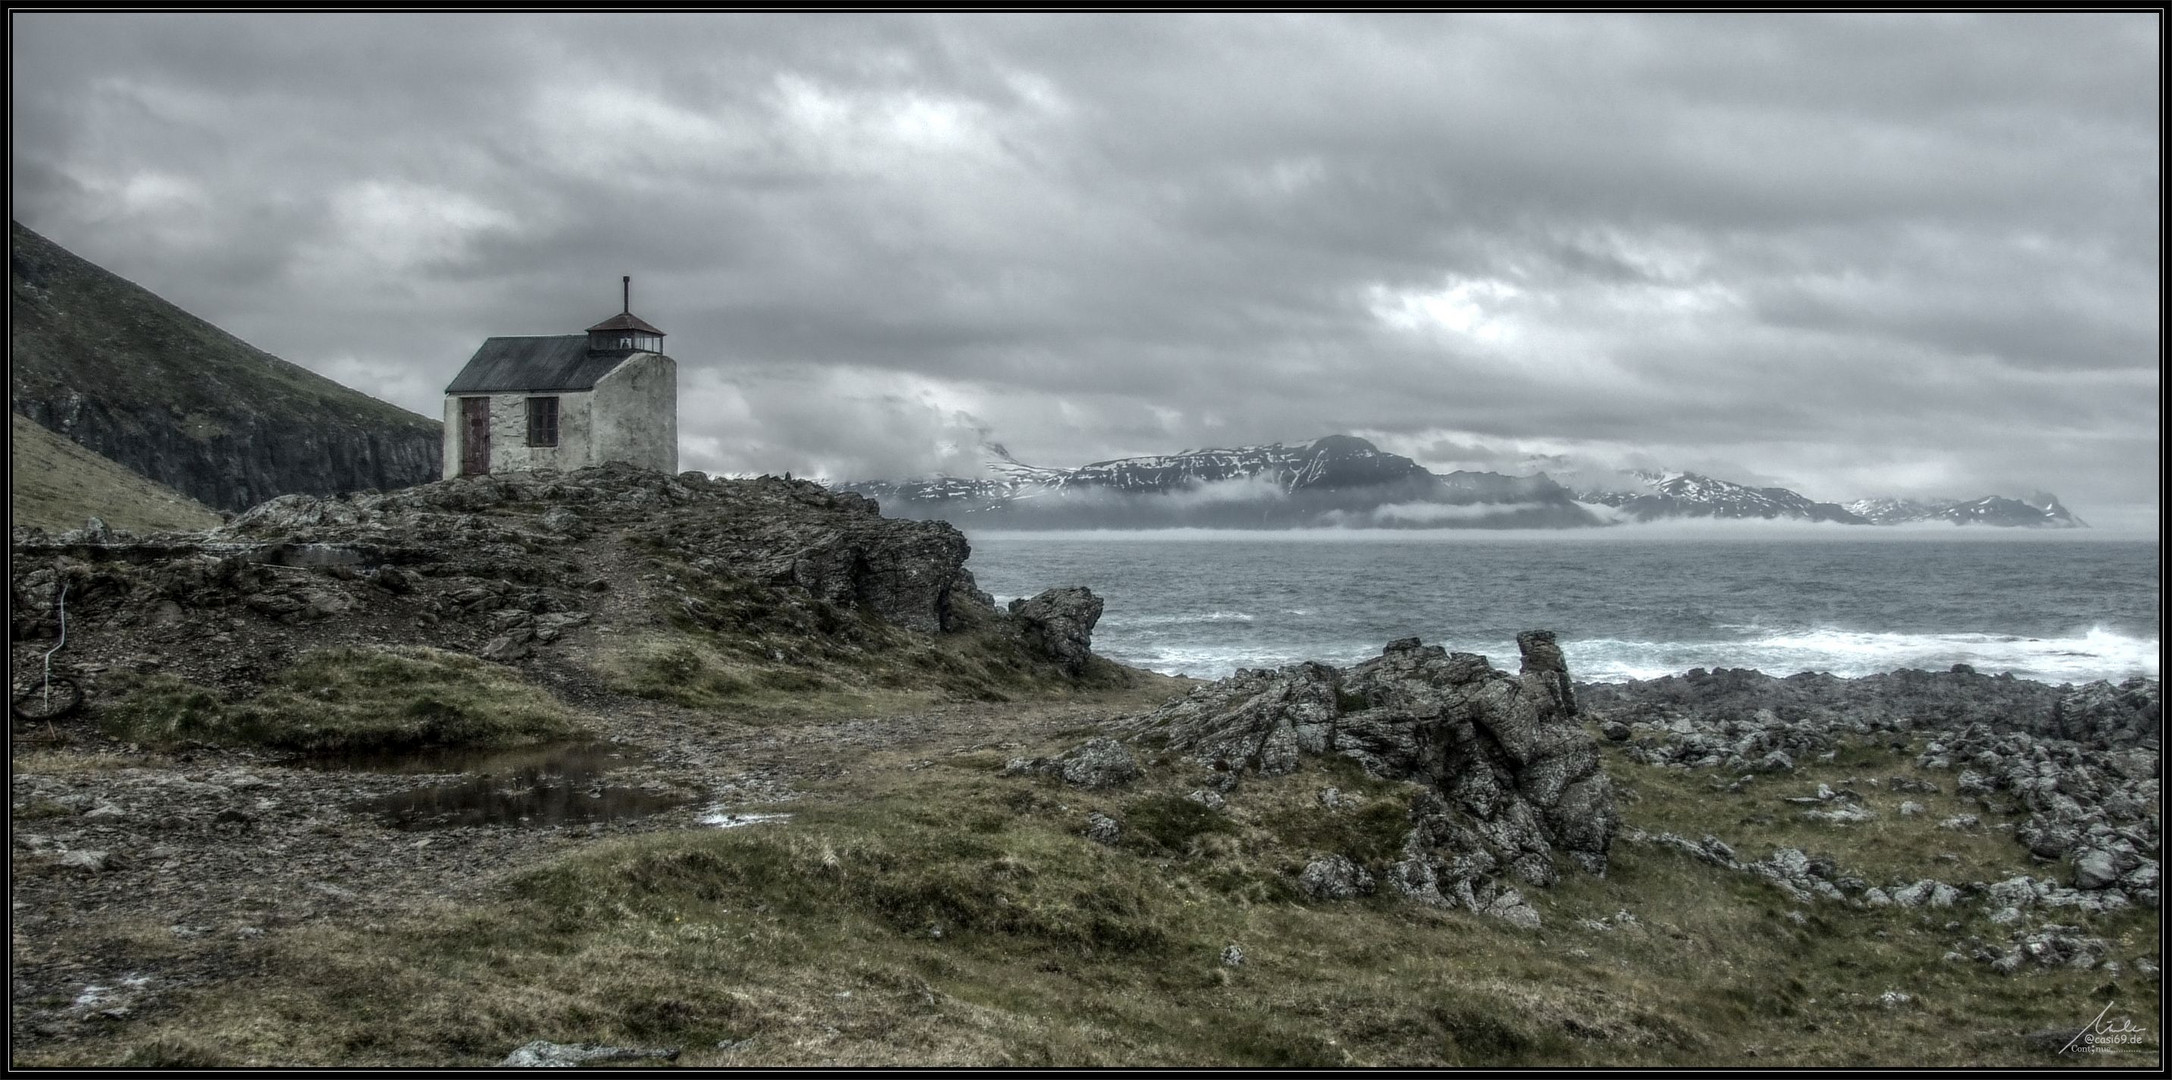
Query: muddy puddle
point(531, 787)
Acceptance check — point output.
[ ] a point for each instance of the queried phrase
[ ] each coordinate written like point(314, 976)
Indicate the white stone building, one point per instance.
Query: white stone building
point(566, 402)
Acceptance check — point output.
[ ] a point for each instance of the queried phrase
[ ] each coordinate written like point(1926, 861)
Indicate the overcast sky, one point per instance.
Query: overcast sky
point(1850, 254)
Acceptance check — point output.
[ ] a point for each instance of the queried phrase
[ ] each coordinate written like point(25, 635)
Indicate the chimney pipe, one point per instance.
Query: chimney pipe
point(626, 283)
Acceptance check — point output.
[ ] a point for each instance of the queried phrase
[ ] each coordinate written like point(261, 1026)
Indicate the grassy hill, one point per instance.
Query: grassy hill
point(176, 399)
point(55, 484)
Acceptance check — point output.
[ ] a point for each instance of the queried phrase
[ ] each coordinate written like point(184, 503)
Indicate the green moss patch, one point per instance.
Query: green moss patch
point(344, 700)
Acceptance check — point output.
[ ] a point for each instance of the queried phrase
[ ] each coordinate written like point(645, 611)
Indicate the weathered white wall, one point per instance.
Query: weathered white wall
point(452, 436)
point(509, 449)
point(636, 413)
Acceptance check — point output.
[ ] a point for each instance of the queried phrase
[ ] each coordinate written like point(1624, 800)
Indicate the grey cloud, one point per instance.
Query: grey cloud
point(1806, 246)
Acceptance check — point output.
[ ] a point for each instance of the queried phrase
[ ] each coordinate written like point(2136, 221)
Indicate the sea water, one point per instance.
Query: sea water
point(1626, 603)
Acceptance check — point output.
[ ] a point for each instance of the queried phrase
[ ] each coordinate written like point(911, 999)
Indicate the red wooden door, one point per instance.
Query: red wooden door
point(474, 436)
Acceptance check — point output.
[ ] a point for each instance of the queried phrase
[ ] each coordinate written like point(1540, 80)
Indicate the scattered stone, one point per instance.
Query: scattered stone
point(1894, 999)
point(565, 522)
point(2095, 870)
point(1927, 893)
point(1912, 809)
point(1099, 762)
point(1102, 829)
point(1208, 798)
point(506, 648)
point(237, 780)
point(548, 1055)
point(95, 862)
point(1232, 956)
point(1511, 908)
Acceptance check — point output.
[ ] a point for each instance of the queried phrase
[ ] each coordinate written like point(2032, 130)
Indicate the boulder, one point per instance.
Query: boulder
point(1099, 762)
point(2095, 870)
point(1060, 623)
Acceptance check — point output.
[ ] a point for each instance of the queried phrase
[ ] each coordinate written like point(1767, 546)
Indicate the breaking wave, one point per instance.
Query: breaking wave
point(1207, 604)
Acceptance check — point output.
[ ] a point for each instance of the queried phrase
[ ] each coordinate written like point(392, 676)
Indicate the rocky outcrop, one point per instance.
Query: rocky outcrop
point(114, 368)
point(1060, 622)
point(1510, 779)
point(2130, 714)
point(784, 533)
point(1814, 706)
point(503, 566)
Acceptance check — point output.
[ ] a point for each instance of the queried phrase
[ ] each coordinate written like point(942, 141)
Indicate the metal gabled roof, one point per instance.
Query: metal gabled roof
point(510, 364)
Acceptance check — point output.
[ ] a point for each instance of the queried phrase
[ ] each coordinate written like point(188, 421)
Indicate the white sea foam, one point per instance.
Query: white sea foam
point(2096, 653)
point(1181, 619)
point(2093, 654)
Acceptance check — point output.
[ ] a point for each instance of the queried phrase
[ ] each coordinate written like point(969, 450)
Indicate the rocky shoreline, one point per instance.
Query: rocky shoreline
point(2080, 765)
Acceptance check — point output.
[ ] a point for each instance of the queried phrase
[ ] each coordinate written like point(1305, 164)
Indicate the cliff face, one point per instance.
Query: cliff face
point(172, 397)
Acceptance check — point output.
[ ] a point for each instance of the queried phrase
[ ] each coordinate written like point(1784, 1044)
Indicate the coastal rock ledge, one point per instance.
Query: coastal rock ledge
point(1509, 776)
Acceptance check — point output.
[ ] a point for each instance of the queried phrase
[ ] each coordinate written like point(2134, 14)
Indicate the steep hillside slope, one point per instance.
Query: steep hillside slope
point(55, 484)
point(180, 401)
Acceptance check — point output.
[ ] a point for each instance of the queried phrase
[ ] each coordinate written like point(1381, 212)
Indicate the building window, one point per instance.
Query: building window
point(542, 421)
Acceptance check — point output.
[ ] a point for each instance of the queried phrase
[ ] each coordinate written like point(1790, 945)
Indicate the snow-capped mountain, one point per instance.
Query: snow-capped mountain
point(1331, 463)
point(1653, 496)
point(1889, 511)
point(2038, 510)
point(1336, 480)
point(1344, 480)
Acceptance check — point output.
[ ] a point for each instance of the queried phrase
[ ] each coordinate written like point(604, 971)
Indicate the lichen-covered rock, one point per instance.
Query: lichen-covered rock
point(2095, 870)
point(1103, 829)
point(1099, 762)
point(1511, 778)
point(1060, 623)
point(1334, 878)
point(565, 522)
